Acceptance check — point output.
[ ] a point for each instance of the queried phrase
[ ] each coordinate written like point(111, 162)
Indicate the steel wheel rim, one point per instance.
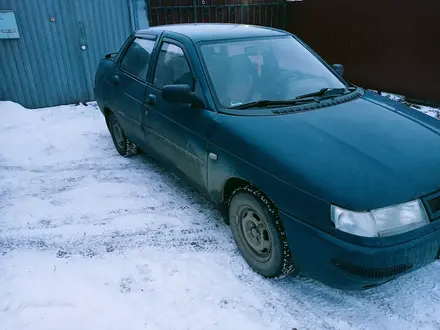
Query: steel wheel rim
point(119, 136)
point(255, 233)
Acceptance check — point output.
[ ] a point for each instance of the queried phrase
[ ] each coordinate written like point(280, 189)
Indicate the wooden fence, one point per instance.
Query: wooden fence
point(386, 45)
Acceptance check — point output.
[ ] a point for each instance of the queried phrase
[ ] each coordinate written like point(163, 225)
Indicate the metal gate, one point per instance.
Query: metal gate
point(60, 43)
point(256, 12)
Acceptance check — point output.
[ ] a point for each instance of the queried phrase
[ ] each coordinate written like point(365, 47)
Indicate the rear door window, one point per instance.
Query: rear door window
point(136, 60)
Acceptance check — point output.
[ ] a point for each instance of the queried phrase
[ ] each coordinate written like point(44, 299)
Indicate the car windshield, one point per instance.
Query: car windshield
point(269, 68)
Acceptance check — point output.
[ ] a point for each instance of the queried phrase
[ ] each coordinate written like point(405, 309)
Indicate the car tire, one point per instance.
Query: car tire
point(122, 144)
point(258, 233)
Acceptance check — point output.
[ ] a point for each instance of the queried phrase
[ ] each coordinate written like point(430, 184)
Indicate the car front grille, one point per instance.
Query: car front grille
point(432, 204)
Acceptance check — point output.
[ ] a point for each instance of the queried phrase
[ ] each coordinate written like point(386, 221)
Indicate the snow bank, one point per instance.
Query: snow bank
point(32, 137)
point(430, 111)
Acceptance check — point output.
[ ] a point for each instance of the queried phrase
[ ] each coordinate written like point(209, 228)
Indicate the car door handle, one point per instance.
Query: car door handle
point(151, 99)
point(115, 79)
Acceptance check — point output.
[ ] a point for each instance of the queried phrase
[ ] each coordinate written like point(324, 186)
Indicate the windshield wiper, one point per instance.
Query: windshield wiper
point(326, 93)
point(267, 103)
point(322, 94)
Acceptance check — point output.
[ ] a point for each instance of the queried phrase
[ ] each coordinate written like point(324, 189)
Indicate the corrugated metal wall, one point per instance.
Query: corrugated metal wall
point(47, 65)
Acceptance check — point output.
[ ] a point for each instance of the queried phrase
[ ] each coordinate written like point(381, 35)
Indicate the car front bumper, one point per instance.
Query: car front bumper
point(348, 266)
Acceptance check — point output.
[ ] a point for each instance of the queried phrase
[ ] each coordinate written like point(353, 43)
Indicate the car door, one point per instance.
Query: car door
point(130, 80)
point(177, 132)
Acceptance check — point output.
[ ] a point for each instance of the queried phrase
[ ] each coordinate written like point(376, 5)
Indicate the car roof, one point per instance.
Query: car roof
point(215, 31)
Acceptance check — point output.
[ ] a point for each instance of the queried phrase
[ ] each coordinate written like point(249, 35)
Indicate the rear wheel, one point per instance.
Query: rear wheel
point(258, 233)
point(122, 144)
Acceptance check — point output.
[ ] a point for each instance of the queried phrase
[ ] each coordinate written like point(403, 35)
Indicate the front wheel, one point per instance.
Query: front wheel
point(258, 233)
point(122, 144)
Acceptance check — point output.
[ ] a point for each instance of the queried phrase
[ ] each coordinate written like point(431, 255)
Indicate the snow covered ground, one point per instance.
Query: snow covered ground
point(92, 240)
point(430, 111)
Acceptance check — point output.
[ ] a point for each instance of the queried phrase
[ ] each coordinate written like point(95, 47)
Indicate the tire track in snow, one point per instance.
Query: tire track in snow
point(95, 245)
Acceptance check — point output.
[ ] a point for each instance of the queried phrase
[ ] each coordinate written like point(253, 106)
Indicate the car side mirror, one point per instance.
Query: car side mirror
point(339, 68)
point(177, 94)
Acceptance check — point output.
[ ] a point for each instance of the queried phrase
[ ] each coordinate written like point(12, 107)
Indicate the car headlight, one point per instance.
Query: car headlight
point(382, 222)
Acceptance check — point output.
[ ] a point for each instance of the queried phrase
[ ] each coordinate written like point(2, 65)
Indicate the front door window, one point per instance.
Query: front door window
point(172, 67)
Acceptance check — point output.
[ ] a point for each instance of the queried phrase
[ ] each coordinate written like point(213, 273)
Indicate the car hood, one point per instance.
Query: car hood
point(365, 154)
